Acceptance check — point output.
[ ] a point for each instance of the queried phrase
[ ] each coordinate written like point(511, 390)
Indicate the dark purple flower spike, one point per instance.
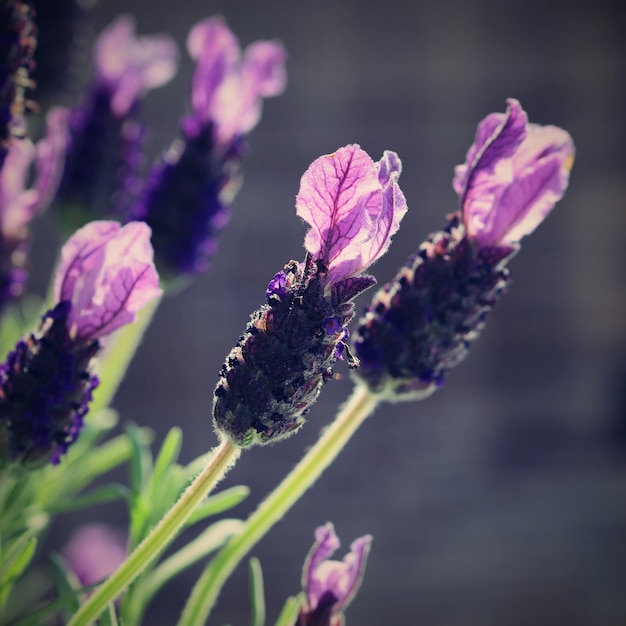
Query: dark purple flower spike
point(277, 369)
point(20, 205)
point(330, 586)
point(105, 151)
point(422, 324)
point(189, 192)
point(105, 276)
point(18, 41)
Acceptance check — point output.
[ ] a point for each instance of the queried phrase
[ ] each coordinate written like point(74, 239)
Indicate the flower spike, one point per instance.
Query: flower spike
point(105, 276)
point(276, 371)
point(421, 324)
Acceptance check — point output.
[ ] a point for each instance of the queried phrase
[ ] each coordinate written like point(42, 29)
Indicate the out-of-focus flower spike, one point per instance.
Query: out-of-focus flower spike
point(105, 153)
point(276, 371)
point(105, 276)
point(18, 41)
point(330, 585)
point(422, 324)
point(20, 205)
point(189, 191)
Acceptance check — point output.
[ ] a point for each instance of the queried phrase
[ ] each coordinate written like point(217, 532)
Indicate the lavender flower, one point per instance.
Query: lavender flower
point(422, 324)
point(18, 205)
point(106, 147)
point(331, 585)
point(105, 277)
point(188, 194)
point(93, 552)
point(276, 371)
point(18, 40)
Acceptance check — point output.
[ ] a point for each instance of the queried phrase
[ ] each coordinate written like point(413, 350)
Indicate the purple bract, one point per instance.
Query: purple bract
point(128, 66)
point(513, 175)
point(107, 273)
point(353, 206)
point(228, 88)
point(331, 585)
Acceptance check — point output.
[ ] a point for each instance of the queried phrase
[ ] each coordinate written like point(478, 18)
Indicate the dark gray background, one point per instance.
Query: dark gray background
point(501, 499)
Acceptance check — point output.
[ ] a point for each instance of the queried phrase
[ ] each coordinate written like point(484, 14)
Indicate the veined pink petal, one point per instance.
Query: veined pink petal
point(107, 273)
point(514, 174)
point(353, 206)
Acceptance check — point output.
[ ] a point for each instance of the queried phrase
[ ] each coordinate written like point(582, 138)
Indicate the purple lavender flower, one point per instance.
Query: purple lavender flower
point(93, 552)
point(106, 148)
point(105, 276)
point(18, 205)
point(276, 371)
point(188, 194)
point(329, 585)
point(422, 323)
point(18, 40)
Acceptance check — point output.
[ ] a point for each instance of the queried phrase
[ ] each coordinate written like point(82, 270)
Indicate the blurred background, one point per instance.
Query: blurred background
point(502, 498)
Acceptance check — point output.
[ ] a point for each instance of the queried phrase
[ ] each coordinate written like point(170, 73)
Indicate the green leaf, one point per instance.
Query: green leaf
point(109, 617)
point(219, 502)
point(167, 456)
point(67, 584)
point(257, 593)
point(140, 460)
point(208, 541)
point(108, 493)
point(290, 612)
point(15, 559)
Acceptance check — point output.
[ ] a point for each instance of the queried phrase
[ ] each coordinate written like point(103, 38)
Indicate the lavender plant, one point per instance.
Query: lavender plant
point(54, 413)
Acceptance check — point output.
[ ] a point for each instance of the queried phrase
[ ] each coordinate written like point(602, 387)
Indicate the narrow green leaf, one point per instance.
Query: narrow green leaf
point(109, 617)
point(16, 557)
point(219, 502)
point(290, 612)
point(67, 585)
point(140, 460)
point(167, 456)
point(257, 593)
point(214, 537)
point(104, 494)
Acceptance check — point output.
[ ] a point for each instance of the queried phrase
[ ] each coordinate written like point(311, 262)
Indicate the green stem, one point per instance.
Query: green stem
point(205, 592)
point(117, 357)
point(223, 457)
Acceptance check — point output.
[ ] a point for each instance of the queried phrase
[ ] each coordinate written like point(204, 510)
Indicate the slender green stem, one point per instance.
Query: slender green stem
point(205, 592)
point(223, 457)
point(118, 355)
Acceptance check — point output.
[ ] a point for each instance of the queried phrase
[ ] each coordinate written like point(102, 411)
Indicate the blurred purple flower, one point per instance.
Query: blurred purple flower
point(189, 191)
point(93, 552)
point(108, 275)
point(19, 205)
point(127, 66)
point(105, 152)
point(329, 585)
point(228, 89)
point(105, 276)
point(513, 175)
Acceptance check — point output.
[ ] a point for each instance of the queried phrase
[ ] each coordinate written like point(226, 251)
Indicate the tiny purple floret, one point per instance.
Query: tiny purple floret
point(331, 585)
point(107, 273)
point(228, 88)
point(513, 175)
point(129, 66)
point(353, 206)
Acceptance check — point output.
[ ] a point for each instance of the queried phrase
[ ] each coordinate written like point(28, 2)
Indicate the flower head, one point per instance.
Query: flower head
point(128, 66)
point(228, 89)
point(107, 274)
point(331, 585)
point(422, 324)
point(276, 371)
point(513, 175)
